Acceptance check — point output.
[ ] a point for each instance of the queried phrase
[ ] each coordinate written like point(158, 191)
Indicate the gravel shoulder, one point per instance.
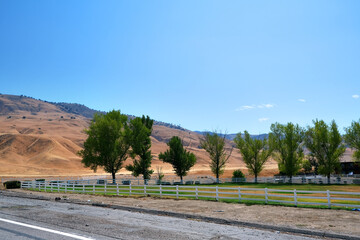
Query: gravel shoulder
point(323, 220)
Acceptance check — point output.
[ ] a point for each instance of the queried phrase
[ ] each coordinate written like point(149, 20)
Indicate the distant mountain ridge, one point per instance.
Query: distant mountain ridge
point(71, 108)
point(232, 136)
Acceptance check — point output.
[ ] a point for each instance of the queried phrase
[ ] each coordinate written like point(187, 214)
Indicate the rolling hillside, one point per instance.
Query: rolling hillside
point(42, 138)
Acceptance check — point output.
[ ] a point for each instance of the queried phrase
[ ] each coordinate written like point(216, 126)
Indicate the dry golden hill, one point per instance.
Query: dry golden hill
point(42, 138)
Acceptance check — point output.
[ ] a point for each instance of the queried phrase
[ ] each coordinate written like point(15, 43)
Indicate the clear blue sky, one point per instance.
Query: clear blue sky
point(226, 65)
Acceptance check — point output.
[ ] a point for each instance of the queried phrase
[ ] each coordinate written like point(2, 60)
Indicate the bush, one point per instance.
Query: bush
point(238, 174)
point(12, 184)
point(40, 180)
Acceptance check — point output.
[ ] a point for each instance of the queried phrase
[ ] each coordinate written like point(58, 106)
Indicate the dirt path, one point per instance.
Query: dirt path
point(325, 220)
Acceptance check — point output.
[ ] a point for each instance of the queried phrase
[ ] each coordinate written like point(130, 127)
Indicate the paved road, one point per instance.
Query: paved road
point(89, 222)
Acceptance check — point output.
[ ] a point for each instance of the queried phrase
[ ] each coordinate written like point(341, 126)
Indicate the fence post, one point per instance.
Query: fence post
point(51, 187)
point(328, 198)
point(105, 188)
point(45, 186)
point(197, 192)
point(21, 184)
point(160, 191)
point(117, 189)
point(73, 187)
point(266, 195)
point(66, 186)
point(217, 193)
point(144, 190)
point(177, 192)
point(94, 189)
point(239, 191)
point(295, 198)
point(83, 188)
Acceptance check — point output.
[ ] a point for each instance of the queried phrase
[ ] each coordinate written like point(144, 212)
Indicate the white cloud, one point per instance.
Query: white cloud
point(263, 119)
point(266, 105)
point(355, 96)
point(301, 100)
point(248, 107)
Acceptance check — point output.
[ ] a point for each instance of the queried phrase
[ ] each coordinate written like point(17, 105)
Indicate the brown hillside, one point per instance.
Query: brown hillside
point(41, 138)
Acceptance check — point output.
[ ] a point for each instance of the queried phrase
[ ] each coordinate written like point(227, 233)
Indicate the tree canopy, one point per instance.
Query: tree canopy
point(107, 143)
point(325, 144)
point(286, 140)
point(181, 159)
point(214, 145)
point(352, 138)
point(255, 152)
point(139, 132)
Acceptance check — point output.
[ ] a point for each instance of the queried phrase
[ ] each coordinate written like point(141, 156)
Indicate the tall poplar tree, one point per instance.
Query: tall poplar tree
point(325, 145)
point(286, 140)
point(255, 152)
point(139, 131)
point(214, 145)
point(181, 159)
point(352, 138)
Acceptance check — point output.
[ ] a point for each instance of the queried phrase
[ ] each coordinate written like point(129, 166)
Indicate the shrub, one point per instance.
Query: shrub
point(12, 184)
point(40, 180)
point(238, 176)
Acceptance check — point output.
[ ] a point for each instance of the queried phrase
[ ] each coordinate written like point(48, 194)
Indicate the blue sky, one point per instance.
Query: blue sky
point(205, 65)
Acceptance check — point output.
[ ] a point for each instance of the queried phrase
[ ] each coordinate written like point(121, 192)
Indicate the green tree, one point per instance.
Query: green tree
point(214, 145)
point(325, 144)
point(286, 140)
point(352, 138)
point(159, 173)
point(255, 152)
point(107, 143)
point(181, 159)
point(307, 166)
point(139, 131)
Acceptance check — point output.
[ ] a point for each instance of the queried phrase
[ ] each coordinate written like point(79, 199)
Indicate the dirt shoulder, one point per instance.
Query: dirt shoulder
point(324, 220)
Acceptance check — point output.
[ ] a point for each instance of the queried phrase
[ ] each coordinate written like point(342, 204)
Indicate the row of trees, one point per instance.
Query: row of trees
point(286, 143)
point(112, 138)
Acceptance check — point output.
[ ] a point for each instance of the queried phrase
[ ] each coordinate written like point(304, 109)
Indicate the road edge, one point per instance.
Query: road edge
point(190, 217)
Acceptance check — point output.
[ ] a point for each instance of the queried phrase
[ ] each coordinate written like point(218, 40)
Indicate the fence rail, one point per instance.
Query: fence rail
point(240, 194)
point(191, 180)
point(200, 179)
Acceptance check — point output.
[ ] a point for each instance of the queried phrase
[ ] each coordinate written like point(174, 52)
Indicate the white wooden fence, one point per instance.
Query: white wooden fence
point(241, 194)
point(172, 180)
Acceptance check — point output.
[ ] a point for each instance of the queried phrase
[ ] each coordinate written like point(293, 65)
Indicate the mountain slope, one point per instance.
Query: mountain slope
point(39, 137)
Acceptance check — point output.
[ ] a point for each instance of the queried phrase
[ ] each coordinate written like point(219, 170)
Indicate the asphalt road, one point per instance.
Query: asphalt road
point(23, 219)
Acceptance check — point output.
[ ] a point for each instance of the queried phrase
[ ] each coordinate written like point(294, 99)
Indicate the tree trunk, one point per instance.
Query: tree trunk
point(113, 177)
point(328, 177)
point(290, 181)
point(255, 178)
point(217, 177)
point(145, 180)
